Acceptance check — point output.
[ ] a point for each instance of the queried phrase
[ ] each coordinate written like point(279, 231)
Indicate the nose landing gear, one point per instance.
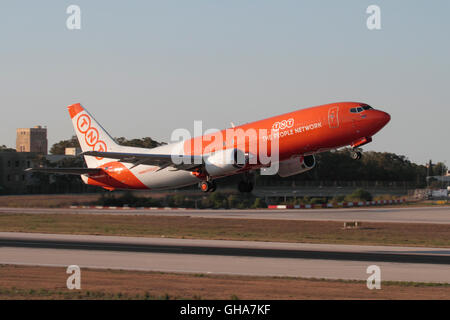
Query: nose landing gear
point(356, 154)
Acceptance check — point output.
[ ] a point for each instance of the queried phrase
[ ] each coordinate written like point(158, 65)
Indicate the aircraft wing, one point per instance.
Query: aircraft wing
point(183, 162)
point(74, 171)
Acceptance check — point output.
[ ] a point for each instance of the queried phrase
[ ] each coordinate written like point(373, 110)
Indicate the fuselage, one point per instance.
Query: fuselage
point(298, 133)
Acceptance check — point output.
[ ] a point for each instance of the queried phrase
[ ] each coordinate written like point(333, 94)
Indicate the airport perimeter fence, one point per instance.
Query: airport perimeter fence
point(338, 205)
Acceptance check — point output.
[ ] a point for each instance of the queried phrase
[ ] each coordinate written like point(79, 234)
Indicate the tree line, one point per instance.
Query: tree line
point(332, 169)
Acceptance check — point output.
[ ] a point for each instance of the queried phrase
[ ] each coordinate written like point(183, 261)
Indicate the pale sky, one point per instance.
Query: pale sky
point(145, 68)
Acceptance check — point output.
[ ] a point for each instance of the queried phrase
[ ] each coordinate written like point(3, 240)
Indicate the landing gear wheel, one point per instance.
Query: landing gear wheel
point(208, 186)
point(356, 155)
point(245, 186)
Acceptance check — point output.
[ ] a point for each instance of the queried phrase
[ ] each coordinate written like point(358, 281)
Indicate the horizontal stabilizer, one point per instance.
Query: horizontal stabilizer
point(162, 160)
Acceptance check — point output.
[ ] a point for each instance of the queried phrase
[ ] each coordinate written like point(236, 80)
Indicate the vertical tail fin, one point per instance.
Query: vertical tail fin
point(91, 135)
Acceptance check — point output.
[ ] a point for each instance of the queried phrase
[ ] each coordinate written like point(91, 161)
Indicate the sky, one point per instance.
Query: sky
point(145, 68)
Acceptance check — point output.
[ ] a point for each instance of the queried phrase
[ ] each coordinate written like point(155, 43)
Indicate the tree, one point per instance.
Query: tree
point(146, 142)
point(4, 148)
point(338, 167)
point(440, 169)
point(60, 147)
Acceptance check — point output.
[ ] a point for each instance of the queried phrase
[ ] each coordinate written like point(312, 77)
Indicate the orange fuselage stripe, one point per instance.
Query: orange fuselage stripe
point(310, 130)
point(115, 175)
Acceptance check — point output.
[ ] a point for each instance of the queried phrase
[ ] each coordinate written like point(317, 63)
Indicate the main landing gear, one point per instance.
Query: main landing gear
point(356, 154)
point(245, 185)
point(208, 186)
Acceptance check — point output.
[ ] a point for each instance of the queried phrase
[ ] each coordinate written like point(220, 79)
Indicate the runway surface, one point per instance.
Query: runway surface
point(438, 215)
point(227, 257)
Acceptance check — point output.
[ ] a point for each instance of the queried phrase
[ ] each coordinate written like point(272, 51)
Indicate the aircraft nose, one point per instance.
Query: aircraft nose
point(383, 118)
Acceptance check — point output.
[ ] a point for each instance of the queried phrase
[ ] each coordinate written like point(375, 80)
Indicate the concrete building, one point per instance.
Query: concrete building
point(13, 178)
point(72, 151)
point(32, 140)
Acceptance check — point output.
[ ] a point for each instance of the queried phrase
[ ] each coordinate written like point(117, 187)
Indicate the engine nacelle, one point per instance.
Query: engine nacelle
point(225, 162)
point(296, 165)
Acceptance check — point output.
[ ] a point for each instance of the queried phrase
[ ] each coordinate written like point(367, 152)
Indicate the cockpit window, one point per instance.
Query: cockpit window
point(360, 108)
point(356, 110)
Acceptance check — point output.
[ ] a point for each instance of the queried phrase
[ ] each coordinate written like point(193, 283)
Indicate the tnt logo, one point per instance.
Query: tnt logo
point(90, 134)
point(83, 123)
point(91, 137)
point(285, 124)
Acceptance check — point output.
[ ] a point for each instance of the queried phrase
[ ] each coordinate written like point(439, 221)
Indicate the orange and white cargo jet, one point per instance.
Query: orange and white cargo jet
point(201, 160)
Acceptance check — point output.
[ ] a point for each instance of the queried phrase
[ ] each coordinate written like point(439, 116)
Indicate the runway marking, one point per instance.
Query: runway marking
point(398, 257)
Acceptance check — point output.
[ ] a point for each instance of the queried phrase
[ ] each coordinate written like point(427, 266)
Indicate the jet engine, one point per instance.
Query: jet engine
point(296, 165)
point(225, 162)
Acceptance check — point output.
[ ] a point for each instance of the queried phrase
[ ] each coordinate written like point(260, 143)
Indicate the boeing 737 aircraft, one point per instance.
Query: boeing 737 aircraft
point(287, 142)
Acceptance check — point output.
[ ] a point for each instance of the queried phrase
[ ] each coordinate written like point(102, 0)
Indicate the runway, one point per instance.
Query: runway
point(436, 215)
point(226, 257)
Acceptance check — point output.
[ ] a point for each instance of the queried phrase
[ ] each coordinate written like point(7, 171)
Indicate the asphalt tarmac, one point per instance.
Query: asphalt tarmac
point(416, 264)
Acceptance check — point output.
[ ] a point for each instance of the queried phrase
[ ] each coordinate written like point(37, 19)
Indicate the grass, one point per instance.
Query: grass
point(32, 282)
point(47, 201)
point(404, 234)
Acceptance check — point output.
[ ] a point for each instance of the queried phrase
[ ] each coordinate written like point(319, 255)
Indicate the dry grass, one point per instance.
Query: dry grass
point(47, 201)
point(406, 234)
point(29, 282)
point(65, 200)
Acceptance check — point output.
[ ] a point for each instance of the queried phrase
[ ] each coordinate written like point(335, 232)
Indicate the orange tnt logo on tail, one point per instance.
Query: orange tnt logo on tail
point(100, 146)
point(91, 137)
point(83, 123)
point(89, 133)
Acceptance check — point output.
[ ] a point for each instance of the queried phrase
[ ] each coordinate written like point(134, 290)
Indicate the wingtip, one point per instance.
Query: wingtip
point(74, 109)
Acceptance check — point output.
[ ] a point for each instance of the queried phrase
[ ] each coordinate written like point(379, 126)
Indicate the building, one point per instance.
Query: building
point(72, 151)
point(32, 140)
point(31, 152)
point(13, 178)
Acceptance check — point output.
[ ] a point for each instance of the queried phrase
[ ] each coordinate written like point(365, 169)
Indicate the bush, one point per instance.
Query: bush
point(337, 199)
point(359, 195)
point(318, 200)
point(216, 200)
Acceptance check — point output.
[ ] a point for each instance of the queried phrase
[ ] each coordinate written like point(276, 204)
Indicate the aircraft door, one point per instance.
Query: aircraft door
point(333, 117)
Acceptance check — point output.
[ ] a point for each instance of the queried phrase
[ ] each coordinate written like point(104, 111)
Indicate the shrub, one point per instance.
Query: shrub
point(359, 195)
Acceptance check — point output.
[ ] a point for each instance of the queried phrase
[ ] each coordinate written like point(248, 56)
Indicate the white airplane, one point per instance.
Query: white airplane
point(299, 135)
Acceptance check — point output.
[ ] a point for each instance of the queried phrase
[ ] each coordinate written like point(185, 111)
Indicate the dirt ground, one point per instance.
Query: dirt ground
point(30, 282)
